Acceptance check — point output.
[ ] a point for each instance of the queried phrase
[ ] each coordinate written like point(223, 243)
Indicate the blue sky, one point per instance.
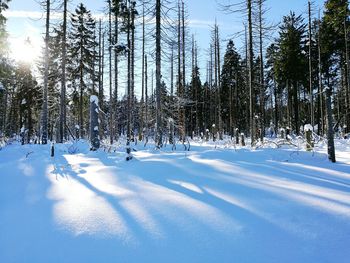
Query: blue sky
point(24, 21)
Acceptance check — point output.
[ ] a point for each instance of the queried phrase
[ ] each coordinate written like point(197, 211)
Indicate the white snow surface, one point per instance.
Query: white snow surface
point(94, 99)
point(206, 205)
point(308, 127)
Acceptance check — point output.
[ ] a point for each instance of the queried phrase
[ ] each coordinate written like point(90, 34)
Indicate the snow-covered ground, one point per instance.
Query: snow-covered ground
point(205, 205)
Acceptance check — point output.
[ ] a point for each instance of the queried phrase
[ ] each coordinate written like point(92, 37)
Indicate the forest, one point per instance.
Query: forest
point(139, 61)
point(130, 135)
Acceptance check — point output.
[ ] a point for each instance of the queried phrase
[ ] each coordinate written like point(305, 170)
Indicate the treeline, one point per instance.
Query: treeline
point(141, 61)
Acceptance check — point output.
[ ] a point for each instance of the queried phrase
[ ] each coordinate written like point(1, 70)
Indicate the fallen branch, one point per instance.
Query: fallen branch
point(29, 153)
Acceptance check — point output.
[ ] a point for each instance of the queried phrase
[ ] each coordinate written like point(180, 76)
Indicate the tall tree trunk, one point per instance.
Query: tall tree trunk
point(250, 72)
point(116, 68)
point(197, 90)
point(100, 75)
point(146, 98)
point(183, 67)
point(296, 107)
point(111, 101)
point(310, 72)
point(276, 106)
point(44, 128)
point(81, 104)
point(219, 83)
point(320, 94)
point(347, 82)
point(93, 74)
point(62, 124)
point(159, 136)
point(180, 92)
point(133, 68)
point(262, 79)
point(143, 76)
point(128, 126)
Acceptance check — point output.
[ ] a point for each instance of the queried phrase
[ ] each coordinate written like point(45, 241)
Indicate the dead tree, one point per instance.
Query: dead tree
point(159, 132)
point(44, 128)
point(62, 123)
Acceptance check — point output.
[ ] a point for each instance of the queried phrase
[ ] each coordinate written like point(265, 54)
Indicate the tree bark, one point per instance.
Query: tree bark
point(94, 137)
point(46, 77)
point(310, 72)
point(111, 101)
point(116, 77)
point(250, 71)
point(159, 135)
point(330, 133)
point(62, 124)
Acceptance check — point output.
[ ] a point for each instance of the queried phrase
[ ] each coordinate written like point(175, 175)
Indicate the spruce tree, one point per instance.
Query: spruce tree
point(83, 54)
point(292, 61)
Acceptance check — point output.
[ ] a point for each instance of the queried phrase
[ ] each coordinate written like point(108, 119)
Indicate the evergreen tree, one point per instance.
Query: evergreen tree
point(26, 104)
point(291, 64)
point(83, 55)
point(5, 66)
point(231, 75)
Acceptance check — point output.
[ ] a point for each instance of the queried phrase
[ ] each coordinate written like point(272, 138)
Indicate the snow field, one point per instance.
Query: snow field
point(205, 205)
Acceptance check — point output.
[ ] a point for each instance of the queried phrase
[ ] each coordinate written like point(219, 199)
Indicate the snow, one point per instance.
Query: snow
point(206, 205)
point(96, 128)
point(308, 127)
point(77, 126)
point(94, 99)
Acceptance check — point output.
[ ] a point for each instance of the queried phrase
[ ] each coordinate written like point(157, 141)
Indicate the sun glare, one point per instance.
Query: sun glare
point(25, 50)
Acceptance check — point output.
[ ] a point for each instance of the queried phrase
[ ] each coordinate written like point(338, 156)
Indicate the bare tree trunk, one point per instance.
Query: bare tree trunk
point(172, 71)
point(111, 101)
point(330, 133)
point(219, 82)
point(93, 74)
point(128, 85)
point(250, 71)
point(217, 112)
point(81, 118)
point(62, 124)
point(211, 76)
point(44, 120)
point(262, 79)
point(320, 94)
point(100, 75)
point(143, 76)
point(159, 135)
point(171, 123)
point(180, 92)
point(310, 72)
point(116, 40)
point(276, 106)
point(183, 67)
point(197, 89)
point(132, 25)
point(347, 84)
point(146, 98)
point(94, 138)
